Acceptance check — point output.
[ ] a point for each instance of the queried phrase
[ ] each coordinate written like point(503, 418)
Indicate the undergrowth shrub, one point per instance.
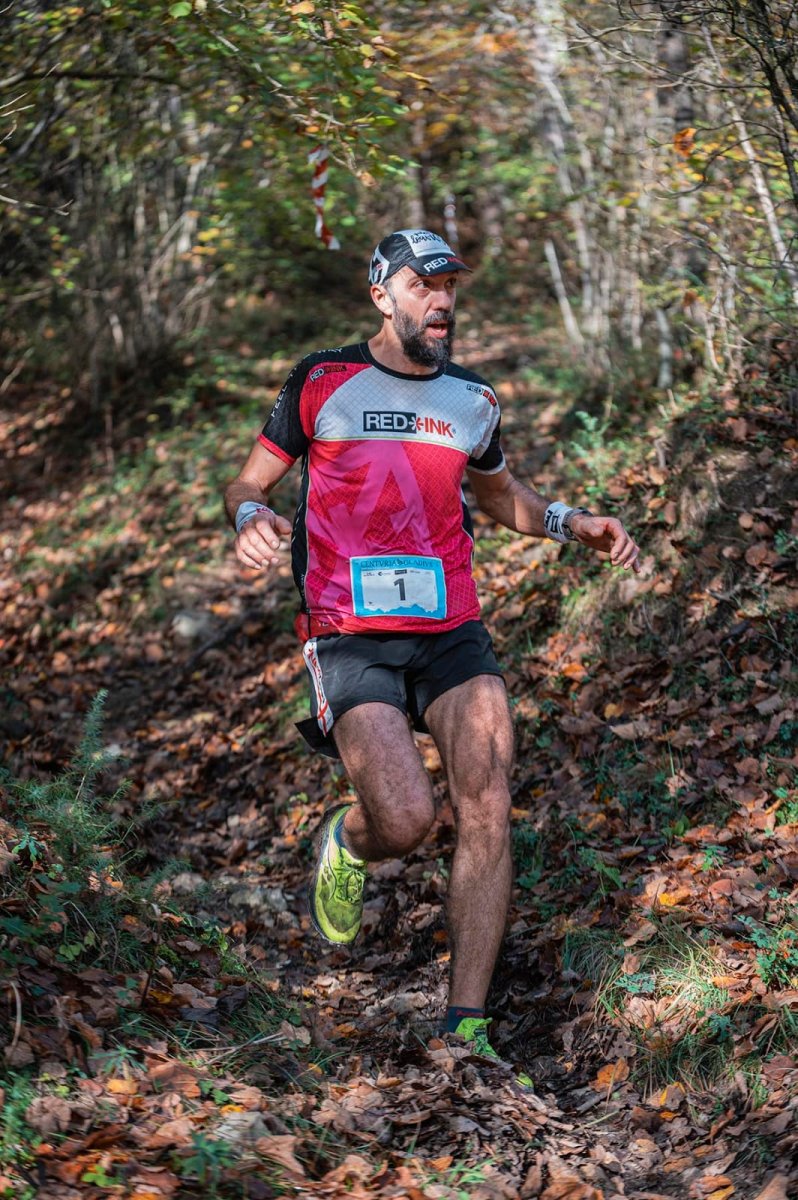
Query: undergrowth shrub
point(668, 996)
point(67, 893)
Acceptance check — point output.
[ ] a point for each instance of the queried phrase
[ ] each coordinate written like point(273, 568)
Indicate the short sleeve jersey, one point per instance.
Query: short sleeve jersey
point(382, 538)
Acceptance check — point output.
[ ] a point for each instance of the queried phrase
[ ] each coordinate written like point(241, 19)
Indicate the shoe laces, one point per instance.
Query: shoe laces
point(475, 1032)
point(349, 881)
point(481, 1044)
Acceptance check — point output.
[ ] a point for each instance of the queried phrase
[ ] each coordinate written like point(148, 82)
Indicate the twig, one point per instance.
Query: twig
point(11, 376)
point(154, 957)
point(10, 983)
point(253, 1041)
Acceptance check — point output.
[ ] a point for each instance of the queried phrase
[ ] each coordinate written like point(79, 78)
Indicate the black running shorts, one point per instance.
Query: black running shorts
point(406, 670)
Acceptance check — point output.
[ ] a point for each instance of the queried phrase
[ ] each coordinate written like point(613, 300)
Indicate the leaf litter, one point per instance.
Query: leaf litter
point(649, 978)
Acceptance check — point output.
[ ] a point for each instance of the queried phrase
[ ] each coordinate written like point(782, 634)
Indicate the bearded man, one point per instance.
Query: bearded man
point(382, 556)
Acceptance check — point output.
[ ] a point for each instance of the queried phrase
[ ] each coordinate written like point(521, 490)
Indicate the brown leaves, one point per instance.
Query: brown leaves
point(48, 1115)
point(760, 554)
point(280, 1149)
point(655, 769)
point(774, 1189)
point(671, 1097)
point(632, 731)
point(715, 1187)
point(570, 1187)
point(177, 1132)
point(684, 142)
point(175, 1076)
point(610, 1075)
point(123, 1087)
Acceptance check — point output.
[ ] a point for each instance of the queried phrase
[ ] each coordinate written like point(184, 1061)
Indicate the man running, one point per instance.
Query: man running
point(382, 554)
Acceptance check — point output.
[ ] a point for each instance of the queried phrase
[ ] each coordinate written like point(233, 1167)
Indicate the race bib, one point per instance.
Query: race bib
point(398, 586)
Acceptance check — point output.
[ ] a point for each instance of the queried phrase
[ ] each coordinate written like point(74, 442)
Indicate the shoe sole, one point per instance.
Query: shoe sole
point(318, 844)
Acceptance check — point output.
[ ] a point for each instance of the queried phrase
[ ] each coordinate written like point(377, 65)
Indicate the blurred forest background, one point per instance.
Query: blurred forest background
point(623, 177)
point(634, 163)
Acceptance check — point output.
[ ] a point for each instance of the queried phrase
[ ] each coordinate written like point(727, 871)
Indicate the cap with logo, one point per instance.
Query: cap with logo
point(427, 253)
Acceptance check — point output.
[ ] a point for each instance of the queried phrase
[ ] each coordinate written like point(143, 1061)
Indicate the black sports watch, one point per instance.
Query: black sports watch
point(566, 522)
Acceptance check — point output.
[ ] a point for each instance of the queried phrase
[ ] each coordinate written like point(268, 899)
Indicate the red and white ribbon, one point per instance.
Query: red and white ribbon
point(318, 159)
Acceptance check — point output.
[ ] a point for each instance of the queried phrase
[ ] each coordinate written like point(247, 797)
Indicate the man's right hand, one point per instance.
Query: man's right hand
point(259, 541)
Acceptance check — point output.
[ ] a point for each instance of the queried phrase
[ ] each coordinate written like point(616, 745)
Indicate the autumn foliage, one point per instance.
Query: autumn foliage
point(622, 178)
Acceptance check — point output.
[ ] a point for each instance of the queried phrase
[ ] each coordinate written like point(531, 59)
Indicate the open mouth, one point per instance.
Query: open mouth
point(438, 329)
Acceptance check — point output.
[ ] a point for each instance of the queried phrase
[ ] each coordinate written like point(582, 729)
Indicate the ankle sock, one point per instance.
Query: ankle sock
point(455, 1014)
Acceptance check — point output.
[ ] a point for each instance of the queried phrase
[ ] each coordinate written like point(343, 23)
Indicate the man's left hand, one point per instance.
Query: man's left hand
point(608, 534)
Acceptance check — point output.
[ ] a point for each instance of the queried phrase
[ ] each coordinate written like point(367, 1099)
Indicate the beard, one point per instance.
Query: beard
point(426, 352)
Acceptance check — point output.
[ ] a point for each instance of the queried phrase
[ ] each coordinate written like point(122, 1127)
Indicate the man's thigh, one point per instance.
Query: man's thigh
point(445, 661)
point(381, 759)
point(473, 730)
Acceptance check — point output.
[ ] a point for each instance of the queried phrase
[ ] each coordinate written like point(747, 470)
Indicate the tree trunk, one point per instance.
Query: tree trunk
point(783, 260)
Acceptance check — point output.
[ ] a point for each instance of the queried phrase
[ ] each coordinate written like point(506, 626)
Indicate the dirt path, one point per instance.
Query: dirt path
point(648, 978)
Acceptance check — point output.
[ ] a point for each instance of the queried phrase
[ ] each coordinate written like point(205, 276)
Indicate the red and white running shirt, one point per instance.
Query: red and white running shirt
point(382, 538)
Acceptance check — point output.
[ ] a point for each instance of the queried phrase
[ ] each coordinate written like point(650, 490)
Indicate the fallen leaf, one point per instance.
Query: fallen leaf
point(758, 554)
point(610, 1075)
point(280, 1149)
point(353, 1168)
point(774, 1189)
point(174, 1076)
point(570, 1187)
point(630, 731)
point(123, 1087)
point(779, 1123)
point(671, 899)
point(711, 1183)
point(171, 1133)
point(153, 1181)
point(19, 1055)
point(644, 932)
point(533, 1183)
point(574, 670)
point(777, 1000)
point(671, 1097)
point(48, 1114)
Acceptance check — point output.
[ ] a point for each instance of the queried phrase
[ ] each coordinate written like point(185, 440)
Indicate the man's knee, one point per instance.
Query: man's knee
point(405, 826)
point(484, 813)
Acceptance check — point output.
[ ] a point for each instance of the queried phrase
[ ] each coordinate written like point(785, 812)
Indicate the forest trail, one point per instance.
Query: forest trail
point(649, 977)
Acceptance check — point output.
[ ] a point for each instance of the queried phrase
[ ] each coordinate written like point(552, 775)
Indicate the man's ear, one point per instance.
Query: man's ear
point(382, 299)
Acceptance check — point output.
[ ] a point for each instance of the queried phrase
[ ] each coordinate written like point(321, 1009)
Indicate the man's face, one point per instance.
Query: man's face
point(423, 315)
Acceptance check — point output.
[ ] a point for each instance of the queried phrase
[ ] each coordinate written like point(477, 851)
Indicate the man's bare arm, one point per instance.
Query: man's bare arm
point(259, 540)
point(510, 502)
point(516, 506)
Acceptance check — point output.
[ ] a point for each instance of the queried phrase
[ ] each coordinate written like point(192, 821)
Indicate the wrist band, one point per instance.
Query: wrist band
point(557, 521)
point(247, 510)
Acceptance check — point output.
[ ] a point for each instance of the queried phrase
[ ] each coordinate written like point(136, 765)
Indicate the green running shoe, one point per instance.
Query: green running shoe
point(336, 890)
point(474, 1032)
